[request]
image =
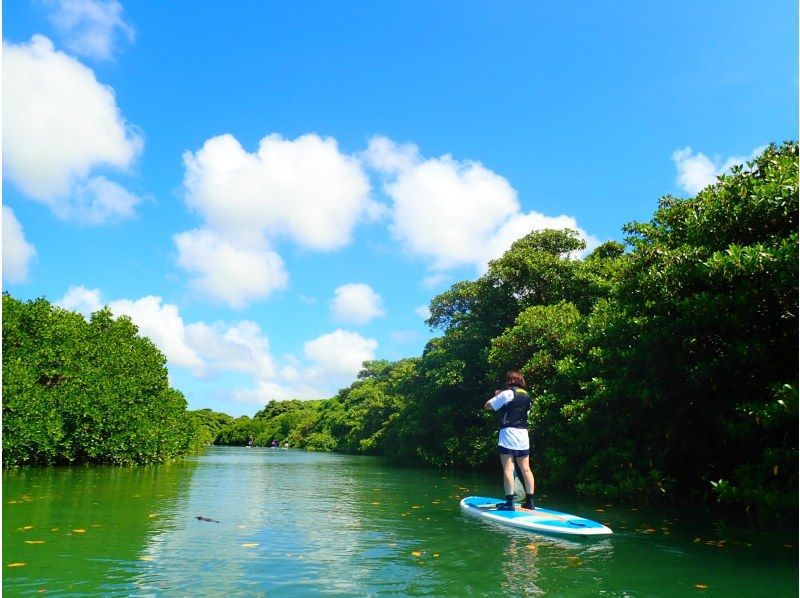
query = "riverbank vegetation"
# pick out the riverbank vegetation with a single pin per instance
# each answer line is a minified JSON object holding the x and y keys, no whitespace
{"x":664,"y":367}
{"x":78,"y":391}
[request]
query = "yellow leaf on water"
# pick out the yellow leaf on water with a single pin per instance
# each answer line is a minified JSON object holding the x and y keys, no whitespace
{"x":145,"y":558}
{"x":436,"y":555}
{"x":11,"y":502}
{"x":25,"y":527}
{"x":416,"y":507}
{"x":701,"y":586}
{"x":16,"y":564}
{"x":416,"y":553}
{"x":152,"y":515}
{"x":79,"y":531}
{"x":55,"y":529}
{"x":249,"y":544}
{"x":34,"y":541}
{"x":376,"y":504}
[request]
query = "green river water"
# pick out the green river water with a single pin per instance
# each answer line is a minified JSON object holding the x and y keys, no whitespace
{"x":293,"y":523}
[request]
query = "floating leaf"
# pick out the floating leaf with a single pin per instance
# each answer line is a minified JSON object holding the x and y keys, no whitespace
{"x":34,"y":541}
{"x":79,"y":531}
{"x":249,"y":544}
{"x":145,"y":558}
{"x":416,"y":553}
{"x":16,"y":564}
{"x":701,"y":586}
{"x":436,"y":555}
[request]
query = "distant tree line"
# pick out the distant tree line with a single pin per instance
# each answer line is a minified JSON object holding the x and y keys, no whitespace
{"x":666,"y":366}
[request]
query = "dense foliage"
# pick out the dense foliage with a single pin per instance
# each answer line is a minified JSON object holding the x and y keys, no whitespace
{"x":666,"y":367}
{"x":77,"y":391}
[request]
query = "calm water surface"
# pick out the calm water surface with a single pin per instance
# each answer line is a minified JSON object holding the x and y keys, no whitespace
{"x":293,"y":523}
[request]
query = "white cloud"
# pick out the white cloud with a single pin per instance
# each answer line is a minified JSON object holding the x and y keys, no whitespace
{"x":90,"y":27}
{"x":17,"y":252}
{"x":264,"y":392}
{"x":356,"y":303}
{"x":202,"y":348}
{"x":82,"y":300}
{"x":341,"y":352}
{"x":697,"y":171}
{"x":228,"y":271}
{"x":161,"y":323}
{"x":453,"y":213}
{"x":241,"y":347}
{"x":97,"y":201}
{"x":304,"y":190}
{"x":423,"y":311}
{"x":59,"y":123}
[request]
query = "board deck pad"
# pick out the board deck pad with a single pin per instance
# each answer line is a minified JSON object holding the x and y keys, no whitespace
{"x":538,"y":520}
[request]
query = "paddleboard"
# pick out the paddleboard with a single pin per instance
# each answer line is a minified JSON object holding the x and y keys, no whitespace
{"x":538,"y":520}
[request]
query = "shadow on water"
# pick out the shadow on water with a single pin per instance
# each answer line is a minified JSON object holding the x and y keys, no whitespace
{"x":293,"y":523}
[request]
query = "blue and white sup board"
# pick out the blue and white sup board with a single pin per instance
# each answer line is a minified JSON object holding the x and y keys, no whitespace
{"x":538,"y":520}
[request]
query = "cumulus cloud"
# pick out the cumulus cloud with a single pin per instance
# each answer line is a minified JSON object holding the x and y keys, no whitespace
{"x":82,"y":300}
{"x":356,"y":303}
{"x":341,"y":352}
{"x":303,"y":190}
{"x":91,"y":28}
{"x":451,"y":212}
{"x":60,"y":123}
{"x":697,"y":171}
{"x":423,"y":311}
{"x":161,"y":323}
{"x":17,"y":252}
{"x":241,"y":347}
{"x":233,"y":272}
{"x":264,"y":392}
{"x":203,"y":349}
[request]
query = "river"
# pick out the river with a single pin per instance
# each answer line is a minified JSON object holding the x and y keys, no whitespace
{"x":292,"y":523}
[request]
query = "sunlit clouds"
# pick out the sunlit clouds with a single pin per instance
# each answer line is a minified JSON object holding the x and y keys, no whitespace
{"x":91,"y":28}
{"x":356,"y":303}
{"x":453,"y":212}
{"x":59,"y":126}
{"x":17,"y":252}
{"x":696,"y":171}
{"x":208,"y":351}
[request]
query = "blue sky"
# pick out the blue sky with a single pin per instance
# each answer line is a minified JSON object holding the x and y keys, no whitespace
{"x":274,"y":192}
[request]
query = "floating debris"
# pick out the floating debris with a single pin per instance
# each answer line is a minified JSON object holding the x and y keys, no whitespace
{"x":16,"y":564}
{"x":249,"y":544}
{"x":199,"y":518}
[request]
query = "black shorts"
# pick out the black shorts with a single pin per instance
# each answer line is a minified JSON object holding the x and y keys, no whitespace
{"x":514,"y":452}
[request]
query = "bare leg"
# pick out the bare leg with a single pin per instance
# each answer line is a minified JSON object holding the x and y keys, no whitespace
{"x":527,"y":475}
{"x":507,"y":462}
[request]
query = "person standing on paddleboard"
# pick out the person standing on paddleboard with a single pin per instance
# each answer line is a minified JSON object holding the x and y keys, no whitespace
{"x":512,"y":406}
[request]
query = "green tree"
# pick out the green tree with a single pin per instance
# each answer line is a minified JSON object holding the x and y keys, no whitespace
{"x":86,"y":392}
